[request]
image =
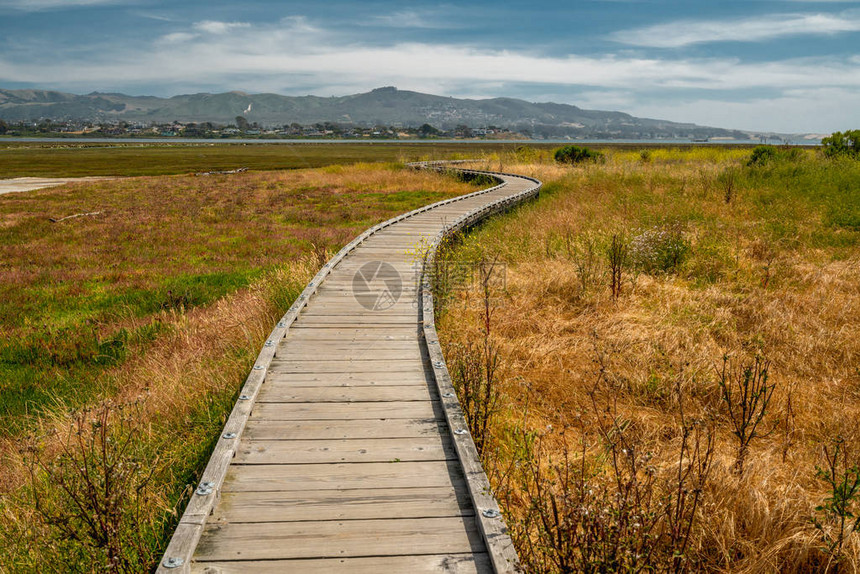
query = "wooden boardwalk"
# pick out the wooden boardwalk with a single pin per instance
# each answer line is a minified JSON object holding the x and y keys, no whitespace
{"x":346,"y":450}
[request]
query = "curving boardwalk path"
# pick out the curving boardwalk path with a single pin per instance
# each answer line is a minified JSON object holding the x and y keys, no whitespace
{"x":341,"y":453}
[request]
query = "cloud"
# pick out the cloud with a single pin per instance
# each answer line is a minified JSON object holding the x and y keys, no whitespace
{"x":214,"y":27}
{"x":790,"y":112}
{"x":178,"y":37}
{"x":292,"y":56}
{"x":416,"y":19}
{"x":682,"y":33}
{"x":220,"y":51}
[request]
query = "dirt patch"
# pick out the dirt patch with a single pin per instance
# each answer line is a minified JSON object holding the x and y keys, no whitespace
{"x":19,"y":184}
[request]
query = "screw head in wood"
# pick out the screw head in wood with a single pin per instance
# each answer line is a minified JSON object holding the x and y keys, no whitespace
{"x":461,"y":431}
{"x":173,"y":562}
{"x":229,"y":435}
{"x":258,"y":367}
{"x":205,"y":489}
{"x":448,"y":395}
{"x":244,"y":398}
{"x":491,"y":513}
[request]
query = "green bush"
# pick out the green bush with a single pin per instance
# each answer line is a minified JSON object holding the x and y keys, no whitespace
{"x":762,"y":154}
{"x":572,"y":154}
{"x":765,"y":154}
{"x":842,"y":144}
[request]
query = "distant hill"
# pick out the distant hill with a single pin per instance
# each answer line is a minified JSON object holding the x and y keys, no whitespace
{"x":382,"y":106}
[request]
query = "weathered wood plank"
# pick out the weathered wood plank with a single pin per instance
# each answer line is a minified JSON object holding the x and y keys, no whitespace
{"x":340,"y":429}
{"x":355,"y":379}
{"x":262,"y":478}
{"x":344,"y":411}
{"x":295,"y":345}
{"x":353,"y":335}
{"x":339,"y":539}
{"x":363,"y":394}
{"x":362,"y":504}
{"x":377,"y":320}
{"x":370,"y":366}
{"x":367,"y":329}
{"x":343,"y":352}
{"x":477,"y":563}
{"x":280,"y":452}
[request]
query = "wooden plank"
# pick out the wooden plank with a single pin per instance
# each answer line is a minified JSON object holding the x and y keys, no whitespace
{"x":340,"y":394}
{"x":344,"y":411}
{"x":365,"y":504}
{"x":352,"y":333}
{"x":348,"y":350}
{"x":358,"y":325}
{"x":370,"y":318}
{"x":357,"y":376}
{"x":357,"y":379}
{"x":371,"y":366}
{"x":471,"y":563}
{"x":339,"y":307}
{"x":262,"y":478}
{"x":339,"y":539}
{"x":298,"y":344}
{"x":358,"y":354}
{"x":279,"y":452}
{"x":330,"y":430}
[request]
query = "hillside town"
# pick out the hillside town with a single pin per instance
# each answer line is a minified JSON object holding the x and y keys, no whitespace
{"x":243,"y":129}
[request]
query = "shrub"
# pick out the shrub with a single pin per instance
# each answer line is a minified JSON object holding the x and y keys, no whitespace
{"x":618,"y":254}
{"x":842,"y":144}
{"x":765,"y":154}
{"x":528,"y":154}
{"x":572,"y":154}
{"x":659,"y":249}
{"x":762,"y":155}
{"x":746,"y":394}
{"x":95,"y":498}
{"x":843,"y":481}
{"x":611,"y":506}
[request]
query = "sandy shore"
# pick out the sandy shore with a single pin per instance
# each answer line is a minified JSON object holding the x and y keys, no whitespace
{"x":30,"y":183}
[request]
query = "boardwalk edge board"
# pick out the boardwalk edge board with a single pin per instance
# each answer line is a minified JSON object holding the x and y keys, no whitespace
{"x":502,"y":553}
{"x":177,"y":557}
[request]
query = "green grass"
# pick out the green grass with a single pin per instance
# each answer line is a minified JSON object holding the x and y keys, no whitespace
{"x":20,"y":159}
{"x":81,"y":296}
{"x":58,"y":159}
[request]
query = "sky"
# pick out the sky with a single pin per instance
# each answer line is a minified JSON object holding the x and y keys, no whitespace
{"x":787,"y":66}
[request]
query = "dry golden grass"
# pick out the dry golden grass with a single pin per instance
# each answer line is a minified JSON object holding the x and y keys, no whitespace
{"x":749,"y":286}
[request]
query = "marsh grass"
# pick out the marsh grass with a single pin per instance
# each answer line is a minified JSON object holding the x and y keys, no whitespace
{"x":71,"y":159}
{"x":774,"y":272}
{"x":80,"y":296}
{"x":163,"y":303}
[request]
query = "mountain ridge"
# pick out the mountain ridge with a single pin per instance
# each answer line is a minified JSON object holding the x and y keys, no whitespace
{"x":381,"y":106}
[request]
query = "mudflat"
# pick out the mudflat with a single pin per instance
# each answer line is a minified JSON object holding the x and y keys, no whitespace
{"x":19,"y":184}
